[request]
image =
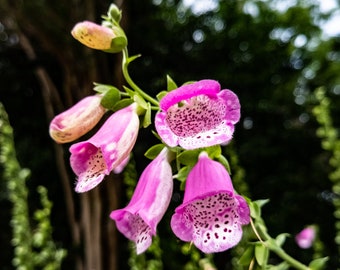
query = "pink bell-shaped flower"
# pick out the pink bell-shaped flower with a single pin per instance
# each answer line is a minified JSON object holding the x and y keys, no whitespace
{"x":77,"y":121}
{"x":211,"y":215}
{"x":139,"y":219}
{"x":198,"y":115}
{"x":105,"y":151}
{"x":306,"y":237}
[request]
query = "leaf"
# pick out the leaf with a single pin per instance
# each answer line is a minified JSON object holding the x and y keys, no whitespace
{"x":224,"y":162}
{"x":161,"y":94}
{"x":183,"y":173}
{"x":110,"y":98}
{"x":133,"y":58}
{"x":318,"y":264}
{"x":171,"y":85}
{"x":255,"y":208}
{"x":261,"y":254}
{"x":189,"y":157}
{"x":147,"y":116}
{"x":122,"y":104}
{"x":247,"y":256}
{"x":103,"y":88}
{"x":140,"y":101}
{"x":130,"y":92}
{"x":154,"y":150}
{"x":281,"y":238}
{"x":213,"y":151}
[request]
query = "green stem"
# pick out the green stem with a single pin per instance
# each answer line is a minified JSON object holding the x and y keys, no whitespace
{"x":134,"y":86}
{"x":270,"y":243}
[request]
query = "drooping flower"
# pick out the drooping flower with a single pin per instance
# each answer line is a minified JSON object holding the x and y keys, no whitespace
{"x":211,"y":215}
{"x":77,"y":121}
{"x":95,"y":36}
{"x":91,"y":160}
{"x":198,"y":115}
{"x":306,"y":237}
{"x":139,"y":219}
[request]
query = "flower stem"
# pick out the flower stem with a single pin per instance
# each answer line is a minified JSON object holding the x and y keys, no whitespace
{"x":134,"y":86}
{"x":271,"y":244}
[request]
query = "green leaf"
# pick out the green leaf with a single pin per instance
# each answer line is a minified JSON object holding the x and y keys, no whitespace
{"x":154,"y":150}
{"x":122,"y":104}
{"x":161,"y":94}
{"x":224,"y":162}
{"x":133,"y":58}
{"x":147,"y":116}
{"x":110,"y":98}
{"x":183,"y":173}
{"x":189,"y":157}
{"x":281,"y":238}
{"x":213,"y":151}
{"x":261,"y":254}
{"x":318,"y":264}
{"x":140,"y":101}
{"x":247,"y":256}
{"x":117,"y":44}
{"x":130,"y":92}
{"x":255,"y":208}
{"x":103,"y":88}
{"x":171,"y":85}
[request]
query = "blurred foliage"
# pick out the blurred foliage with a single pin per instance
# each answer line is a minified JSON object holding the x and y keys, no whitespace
{"x":272,"y":58}
{"x":33,"y":248}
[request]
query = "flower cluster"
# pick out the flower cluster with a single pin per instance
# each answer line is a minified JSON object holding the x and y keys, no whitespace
{"x":195,"y":117}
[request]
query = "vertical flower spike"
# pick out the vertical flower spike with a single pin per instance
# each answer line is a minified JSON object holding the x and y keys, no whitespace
{"x":139,"y":219}
{"x":109,"y":148}
{"x":198,"y":115}
{"x":77,"y":121}
{"x":306,"y":237}
{"x":211,"y":215}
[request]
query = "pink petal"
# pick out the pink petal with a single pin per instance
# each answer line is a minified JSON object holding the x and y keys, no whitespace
{"x":77,"y":120}
{"x":91,"y":160}
{"x":197,"y":115}
{"x":187,"y":91}
{"x":139,"y":219}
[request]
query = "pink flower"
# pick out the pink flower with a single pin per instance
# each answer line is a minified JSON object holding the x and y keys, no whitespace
{"x":77,"y":121}
{"x":108,"y":149}
{"x":211,"y":215}
{"x":99,"y":37}
{"x":139,"y":219}
{"x":198,"y":115}
{"x":306,"y":237}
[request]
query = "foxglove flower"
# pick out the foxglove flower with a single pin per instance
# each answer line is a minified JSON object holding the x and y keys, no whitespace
{"x":111,"y":38}
{"x":306,"y":237}
{"x":197,"y":115}
{"x":139,"y":219}
{"x":108,"y":149}
{"x":77,"y":121}
{"x":211,"y":215}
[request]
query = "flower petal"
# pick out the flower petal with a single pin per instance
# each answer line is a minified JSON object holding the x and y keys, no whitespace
{"x":139,"y":219}
{"x":187,"y":91}
{"x":91,"y":160}
{"x":197,"y":115}
{"x":77,"y":120}
{"x":211,"y":215}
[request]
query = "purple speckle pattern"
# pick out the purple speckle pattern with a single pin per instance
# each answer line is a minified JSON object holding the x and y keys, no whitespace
{"x":199,"y":114}
{"x":96,"y":168}
{"x":213,"y":223}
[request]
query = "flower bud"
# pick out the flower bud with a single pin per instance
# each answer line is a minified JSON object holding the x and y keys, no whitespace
{"x":110,"y":39}
{"x":77,"y":120}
